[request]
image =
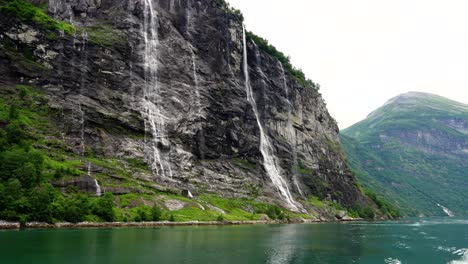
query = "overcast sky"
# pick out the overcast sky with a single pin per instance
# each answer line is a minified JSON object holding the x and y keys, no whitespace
{"x":364,"y":52}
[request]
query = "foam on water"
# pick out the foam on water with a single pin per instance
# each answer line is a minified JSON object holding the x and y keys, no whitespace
{"x":463,"y":253}
{"x":392,"y":261}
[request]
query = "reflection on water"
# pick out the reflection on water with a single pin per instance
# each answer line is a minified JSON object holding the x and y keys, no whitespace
{"x":416,"y":241}
{"x":282,"y":248}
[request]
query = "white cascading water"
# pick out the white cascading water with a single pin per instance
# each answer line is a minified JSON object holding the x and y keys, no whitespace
{"x":197,"y":89}
{"x":446,"y":210}
{"x":291,"y":133}
{"x":98,"y":188}
{"x":84,"y":39}
{"x":266,"y":149}
{"x":154,"y":119}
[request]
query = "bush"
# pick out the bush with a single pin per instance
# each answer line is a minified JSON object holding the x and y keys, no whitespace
{"x":156,"y":213}
{"x":76,"y":209}
{"x":220,"y":218}
{"x":104,"y":207}
{"x":26,"y":166}
{"x":143,"y":215}
{"x":13,"y":113}
{"x":366,"y":212}
{"x":275,"y":212}
{"x":40,"y":202}
{"x":14,"y":133}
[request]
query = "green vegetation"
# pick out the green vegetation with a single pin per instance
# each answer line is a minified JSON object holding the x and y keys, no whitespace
{"x":25,"y":172}
{"x":245,"y":209}
{"x":105,"y":35}
{"x":263,"y":44}
{"x":285,"y":60}
{"x":403,"y":151}
{"x":28,"y":12}
{"x":30,"y":162}
{"x":320,"y":187}
{"x":362,"y":212}
{"x":384,"y":206}
{"x":230,"y":10}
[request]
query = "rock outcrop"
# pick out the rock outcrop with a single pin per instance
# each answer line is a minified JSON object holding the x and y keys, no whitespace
{"x":131,"y":68}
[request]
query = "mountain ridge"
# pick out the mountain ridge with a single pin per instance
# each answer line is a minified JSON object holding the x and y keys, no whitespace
{"x":415,"y":143}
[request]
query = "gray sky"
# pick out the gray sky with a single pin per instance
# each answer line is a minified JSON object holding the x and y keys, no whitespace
{"x":363,"y":52}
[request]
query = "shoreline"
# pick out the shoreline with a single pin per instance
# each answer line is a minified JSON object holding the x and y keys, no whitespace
{"x":38,"y":225}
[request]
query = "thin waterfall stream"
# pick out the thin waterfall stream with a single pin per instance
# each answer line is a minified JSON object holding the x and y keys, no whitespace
{"x":291,"y":133}
{"x":154,"y":119}
{"x":266,"y":148}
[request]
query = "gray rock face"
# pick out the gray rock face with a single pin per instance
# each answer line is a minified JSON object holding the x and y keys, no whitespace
{"x":84,"y":183}
{"x":212,"y":141}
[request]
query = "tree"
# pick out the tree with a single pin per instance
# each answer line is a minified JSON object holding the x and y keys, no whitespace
{"x":104,"y":208}
{"x":14,"y":133}
{"x":13,"y":112}
{"x":40,"y":201}
{"x":156,"y":213}
{"x":76,"y":209}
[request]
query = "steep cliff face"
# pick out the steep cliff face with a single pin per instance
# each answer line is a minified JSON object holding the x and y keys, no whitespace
{"x":163,"y":82}
{"x":414,"y":150}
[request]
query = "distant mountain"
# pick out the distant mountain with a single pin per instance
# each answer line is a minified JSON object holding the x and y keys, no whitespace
{"x":414,"y":151}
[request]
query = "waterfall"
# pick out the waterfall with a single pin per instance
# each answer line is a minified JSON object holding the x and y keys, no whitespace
{"x":291,"y":133}
{"x":98,"y":188}
{"x":154,"y":119}
{"x":446,"y":210}
{"x":266,"y":148}
{"x":84,"y":42}
{"x":197,"y":89}
{"x":198,"y":112}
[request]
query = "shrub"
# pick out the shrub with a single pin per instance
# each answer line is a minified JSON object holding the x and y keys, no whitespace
{"x":14,"y":133}
{"x":143,"y":215}
{"x":156,"y":213}
{"x":220,"y":218}
{"x":104,"y":207}
{"x":366,"y":212}
{"x":274,"y":212}
{"x":76,"y":209}
{"x":13,"y":112}
{"x":40,"y":202}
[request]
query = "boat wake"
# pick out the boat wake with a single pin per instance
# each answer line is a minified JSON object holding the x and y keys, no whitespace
{"x":463,"y":253}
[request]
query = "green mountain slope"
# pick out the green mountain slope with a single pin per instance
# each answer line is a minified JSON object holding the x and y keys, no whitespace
{"x":414,"y":151}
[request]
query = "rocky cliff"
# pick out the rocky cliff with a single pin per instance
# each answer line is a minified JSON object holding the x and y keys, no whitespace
{"x":161,"y":84}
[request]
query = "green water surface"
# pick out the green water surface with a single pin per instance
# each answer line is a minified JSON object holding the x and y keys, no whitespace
{"x":408,"y":241}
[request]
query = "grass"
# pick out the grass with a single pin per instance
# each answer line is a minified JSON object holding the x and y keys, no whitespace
{"x":245,"y":163}
{"x":105,"y":35}
{"x":28,"y":12}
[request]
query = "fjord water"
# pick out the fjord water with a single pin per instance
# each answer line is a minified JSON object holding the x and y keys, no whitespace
{"x":408,"y":241}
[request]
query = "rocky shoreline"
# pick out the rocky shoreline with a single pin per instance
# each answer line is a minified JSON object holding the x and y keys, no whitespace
{"x":39,"y":225}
